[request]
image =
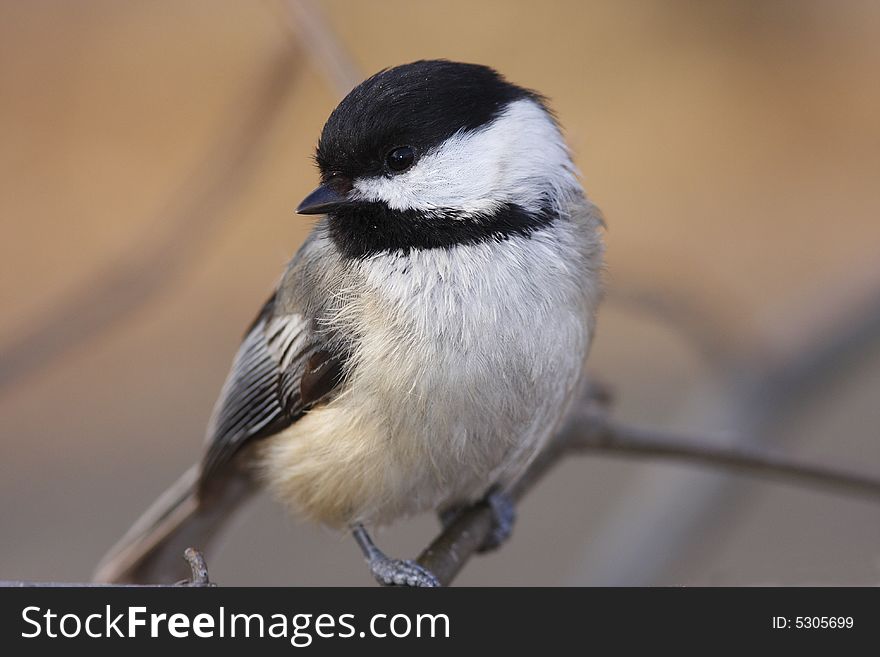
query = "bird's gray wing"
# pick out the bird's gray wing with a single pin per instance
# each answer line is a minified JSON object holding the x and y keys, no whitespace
{"x":282,"y":368}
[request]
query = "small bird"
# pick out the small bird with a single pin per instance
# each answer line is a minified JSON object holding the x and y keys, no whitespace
{"x":425,"y":341}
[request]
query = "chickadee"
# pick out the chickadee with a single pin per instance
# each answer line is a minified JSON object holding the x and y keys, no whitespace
{"x":427,"y":338}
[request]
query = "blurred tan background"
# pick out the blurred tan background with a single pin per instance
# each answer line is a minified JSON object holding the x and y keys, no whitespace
{"x":734,"y":148}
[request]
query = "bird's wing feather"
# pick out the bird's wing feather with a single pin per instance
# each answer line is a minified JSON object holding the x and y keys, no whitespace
{"x":271,"y":384}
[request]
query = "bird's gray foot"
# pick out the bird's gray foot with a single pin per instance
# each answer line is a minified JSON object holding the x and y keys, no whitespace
{"x":503,"y":518}
{"x":401,"y":572}
{"x":392,"y":572}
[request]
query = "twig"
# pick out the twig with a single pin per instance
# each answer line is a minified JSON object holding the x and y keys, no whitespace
{"x":590,"y":431}
{"x":599,"y":434}
{"x":198,"y":567}
{"x":193,"y":556}
{"x":196,"y":211}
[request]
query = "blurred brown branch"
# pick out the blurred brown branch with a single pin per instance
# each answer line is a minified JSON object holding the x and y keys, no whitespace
{"x":703,"y":330}
{"x":192,"y":215}
{"x":311,"y":28}
{"x":194,"y":212}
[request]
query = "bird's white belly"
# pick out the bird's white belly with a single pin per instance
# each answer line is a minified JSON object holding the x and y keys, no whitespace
{"x":444,"y":396}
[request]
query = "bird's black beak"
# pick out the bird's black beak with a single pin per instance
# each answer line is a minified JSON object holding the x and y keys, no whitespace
{"x":321,"y":201}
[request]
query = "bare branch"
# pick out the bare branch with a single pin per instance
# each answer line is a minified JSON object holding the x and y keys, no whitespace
{"x":198,"y":567}
{"x":590,"y":430}
{"x":193,"y":556}
{"x":747,"y":459}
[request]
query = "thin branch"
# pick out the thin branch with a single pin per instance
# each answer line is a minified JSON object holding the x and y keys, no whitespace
{"x":195,"y":211}
{"x":592,"y":431}
{"x":814,"y":371}
{"x":193,"y":557}
{"x":198,"y":567}
{"x":744,"y":459}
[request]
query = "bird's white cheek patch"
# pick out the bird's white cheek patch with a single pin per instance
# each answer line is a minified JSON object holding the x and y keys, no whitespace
{"x":519,"y":158}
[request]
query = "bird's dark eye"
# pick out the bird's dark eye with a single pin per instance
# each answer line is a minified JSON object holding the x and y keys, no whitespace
{"x":401,"y":159}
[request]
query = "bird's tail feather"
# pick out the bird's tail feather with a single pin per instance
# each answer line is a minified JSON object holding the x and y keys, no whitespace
{"x":151,"y":552}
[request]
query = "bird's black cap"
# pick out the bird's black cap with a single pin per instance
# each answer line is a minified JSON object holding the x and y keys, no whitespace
{"x":419,"y":104}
